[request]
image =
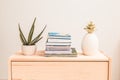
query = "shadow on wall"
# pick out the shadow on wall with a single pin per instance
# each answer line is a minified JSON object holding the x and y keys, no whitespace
{"x":118,"y":59}
{"x":116,"y":63}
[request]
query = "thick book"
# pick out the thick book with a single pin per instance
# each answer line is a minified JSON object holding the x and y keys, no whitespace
{"x":58,"y":52}
{"x":58,"y":48}
{"x":73,"y":54}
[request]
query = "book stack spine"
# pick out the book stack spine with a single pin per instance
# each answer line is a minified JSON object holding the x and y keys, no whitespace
{"x":58,"y":44}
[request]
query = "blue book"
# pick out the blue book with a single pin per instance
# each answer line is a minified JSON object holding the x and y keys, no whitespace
{"x":58,"y":34}
{"x":59,"y":37}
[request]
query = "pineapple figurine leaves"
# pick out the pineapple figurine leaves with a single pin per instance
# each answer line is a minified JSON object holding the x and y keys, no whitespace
{"x":90,"y":28}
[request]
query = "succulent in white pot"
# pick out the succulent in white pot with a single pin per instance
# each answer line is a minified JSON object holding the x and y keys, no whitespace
{"x":29,"y":44}
{"x":90,"y":43}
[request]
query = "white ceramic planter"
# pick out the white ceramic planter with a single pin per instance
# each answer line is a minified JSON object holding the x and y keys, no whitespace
{"x":90,"y":44}
{"x":29,"y":49}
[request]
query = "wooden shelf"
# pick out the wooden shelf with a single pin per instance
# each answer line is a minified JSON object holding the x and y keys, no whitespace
{"x":38,"y":67}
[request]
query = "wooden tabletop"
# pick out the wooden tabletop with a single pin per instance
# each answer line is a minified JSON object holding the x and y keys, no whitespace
{"x":40,"y":57}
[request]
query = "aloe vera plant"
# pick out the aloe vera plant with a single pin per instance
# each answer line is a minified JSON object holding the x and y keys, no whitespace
{"x":30,"y":40}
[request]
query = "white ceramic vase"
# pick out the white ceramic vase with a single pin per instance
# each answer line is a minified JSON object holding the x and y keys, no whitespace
{"x":90,"y":44}
{"x":29,"y":50}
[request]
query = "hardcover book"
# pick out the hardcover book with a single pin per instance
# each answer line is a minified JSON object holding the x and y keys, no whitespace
{"x":58,"y":40}
{"x":73,"y":54}
{"x":58,"y":52}
{"x":58,"y":43}
{"x":57,"y":48}
{"x":58,"y":34}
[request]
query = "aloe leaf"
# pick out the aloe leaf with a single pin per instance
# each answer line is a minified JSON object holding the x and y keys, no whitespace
{"x":31,"y":31}
{"x":22,"y":40}
{"x":22,"y":37}
{"x":41,"y":31}
{"x":36,"y":38}
{"x":35,"y":41}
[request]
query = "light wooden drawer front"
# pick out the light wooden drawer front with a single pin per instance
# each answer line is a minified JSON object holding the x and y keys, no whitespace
{"x":59,"y":70}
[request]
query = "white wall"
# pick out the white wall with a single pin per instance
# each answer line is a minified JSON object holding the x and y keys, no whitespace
{"x":68,"y":16}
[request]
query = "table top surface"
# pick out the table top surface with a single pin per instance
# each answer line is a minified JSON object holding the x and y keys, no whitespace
{"x":80,"y":57}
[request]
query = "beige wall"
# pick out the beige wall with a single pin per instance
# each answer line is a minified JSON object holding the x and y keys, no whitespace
{"x":67,"y":16}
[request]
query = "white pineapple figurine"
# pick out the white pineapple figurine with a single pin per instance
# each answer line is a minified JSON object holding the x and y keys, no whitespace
{"x":90,"y":43}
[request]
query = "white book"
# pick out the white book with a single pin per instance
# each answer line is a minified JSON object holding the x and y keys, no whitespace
{"x":58,"y":40}
{"x":58,"y":37}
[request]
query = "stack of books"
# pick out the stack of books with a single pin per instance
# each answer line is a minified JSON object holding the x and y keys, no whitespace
{"x":59,"y":44}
